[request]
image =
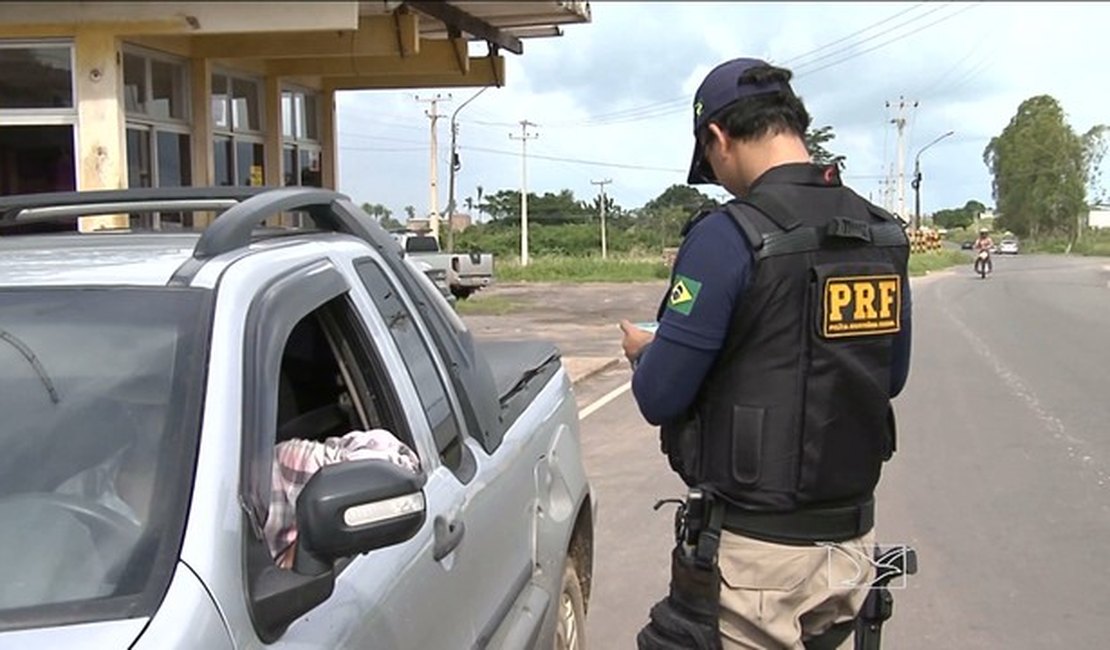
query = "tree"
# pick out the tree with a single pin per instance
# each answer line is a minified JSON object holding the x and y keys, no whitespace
{"x":959,"y":217}
{"x":550,"y":207}
{"x":383,"y":214}
{"x":376,"y":210}
{"x":1040,"y":170}
{"x":680,"y":196}
{"x":410,"y":211}
{"x":815,"y":142}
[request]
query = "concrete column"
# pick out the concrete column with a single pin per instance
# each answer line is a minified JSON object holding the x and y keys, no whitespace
{"x":200,"y":89}
{"x":329,"y":145}
{"x":273,"y":174}
{"x":200,"y":84}
{"x":101,"y":153}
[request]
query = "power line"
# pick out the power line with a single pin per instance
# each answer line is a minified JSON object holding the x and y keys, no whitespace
{"x":852,"y":46}
{"x":852,"y":35}
{"x":567,"y":159}
{"x":888,"y":42}
{"x":674,"y":105}
{"x":579,"y":161}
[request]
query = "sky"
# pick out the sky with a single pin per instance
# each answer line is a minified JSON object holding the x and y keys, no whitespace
{"x":611,"y":99}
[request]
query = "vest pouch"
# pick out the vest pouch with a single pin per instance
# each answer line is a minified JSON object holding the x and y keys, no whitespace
{"x":846,"y":427}
{"x":747,"y":444}
{"x":681,"y":444}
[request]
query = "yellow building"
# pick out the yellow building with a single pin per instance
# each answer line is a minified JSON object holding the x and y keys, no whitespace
{"x":106,"y":95}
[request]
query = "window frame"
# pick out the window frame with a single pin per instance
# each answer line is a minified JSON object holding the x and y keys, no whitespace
{"x":49,"y":111}
{"x":149,"y":56}
{"x":230,"y":133}
{"x":464,"y":468}
{"x":49,"y":116}
{"x":152,"y":126}
{"x":282,"y":303}
{"x":299,"y":141}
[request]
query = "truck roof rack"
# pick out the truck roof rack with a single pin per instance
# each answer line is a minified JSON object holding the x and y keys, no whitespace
{"x":243,"y":209}
{"x":58,"y":206}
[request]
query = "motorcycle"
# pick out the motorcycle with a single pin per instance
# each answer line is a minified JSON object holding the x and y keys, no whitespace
{"x":983,"y":263}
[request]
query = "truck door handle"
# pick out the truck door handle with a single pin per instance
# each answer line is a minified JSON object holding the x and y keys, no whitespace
{"x":448,"y":534}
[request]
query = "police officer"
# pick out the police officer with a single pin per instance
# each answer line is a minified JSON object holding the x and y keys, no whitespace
{"x":782,"y":338}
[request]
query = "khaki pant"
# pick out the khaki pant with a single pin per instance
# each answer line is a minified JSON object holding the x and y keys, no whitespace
{"x":775,"y":596}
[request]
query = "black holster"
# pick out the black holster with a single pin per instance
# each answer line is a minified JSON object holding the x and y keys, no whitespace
{"x":689,"y":617}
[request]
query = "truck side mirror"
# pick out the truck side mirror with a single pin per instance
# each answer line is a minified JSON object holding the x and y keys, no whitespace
{"x":345,"y":509}
{"x":355,"y":507}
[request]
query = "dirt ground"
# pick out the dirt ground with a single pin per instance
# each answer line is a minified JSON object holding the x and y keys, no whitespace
{"x":580,"y":318}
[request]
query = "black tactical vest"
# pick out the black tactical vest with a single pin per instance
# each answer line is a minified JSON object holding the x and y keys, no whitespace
{"x":795,"y":412}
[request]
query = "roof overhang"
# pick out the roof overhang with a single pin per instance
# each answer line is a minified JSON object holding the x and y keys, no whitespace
{"x":340,"y":45}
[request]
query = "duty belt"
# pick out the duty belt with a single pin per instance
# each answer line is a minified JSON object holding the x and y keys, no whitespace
{"x":836,"y":524}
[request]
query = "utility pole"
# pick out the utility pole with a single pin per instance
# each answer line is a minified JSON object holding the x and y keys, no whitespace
{"x":900,"y":122}
{"x":524,"y":137}
{"x":433,"y":164}
{"x":604,"y":245}
{"x":455,"y":165}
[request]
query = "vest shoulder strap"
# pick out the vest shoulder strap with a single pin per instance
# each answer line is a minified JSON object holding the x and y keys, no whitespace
{"x":769,"y":238}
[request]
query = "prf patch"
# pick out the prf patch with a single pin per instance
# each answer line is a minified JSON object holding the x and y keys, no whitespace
{"x":684,"y":293}
{"x":864,"y":305}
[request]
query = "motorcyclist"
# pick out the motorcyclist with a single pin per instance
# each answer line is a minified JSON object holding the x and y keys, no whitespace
{"x":984,"y":243}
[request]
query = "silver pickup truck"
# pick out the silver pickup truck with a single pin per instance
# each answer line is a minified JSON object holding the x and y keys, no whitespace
{"x":145,"y":378}
{"x":466,"y":272}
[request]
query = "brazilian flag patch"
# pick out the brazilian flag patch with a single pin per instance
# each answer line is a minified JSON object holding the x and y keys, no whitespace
{"x":684,"y":293}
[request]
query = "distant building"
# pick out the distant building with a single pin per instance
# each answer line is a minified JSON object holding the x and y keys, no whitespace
{"x":420,"y":225}
{"x":1099,"y":217}
{"x":460,"y":221}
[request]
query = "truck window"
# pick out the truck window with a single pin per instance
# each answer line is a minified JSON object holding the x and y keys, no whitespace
{"x":418,"y":359}
{"x":421,"y":244}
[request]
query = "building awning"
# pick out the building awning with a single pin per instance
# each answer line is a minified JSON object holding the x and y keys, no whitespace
{"x":337,"y":45}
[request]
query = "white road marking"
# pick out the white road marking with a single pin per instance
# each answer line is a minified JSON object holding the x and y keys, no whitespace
{"x":605,"y":399}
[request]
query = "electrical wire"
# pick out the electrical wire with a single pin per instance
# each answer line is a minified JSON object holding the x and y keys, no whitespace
{"x":892,"y":40}
{"x":838,"y":41}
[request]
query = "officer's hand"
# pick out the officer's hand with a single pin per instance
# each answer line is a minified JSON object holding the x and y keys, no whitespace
{"x":634,"y":339}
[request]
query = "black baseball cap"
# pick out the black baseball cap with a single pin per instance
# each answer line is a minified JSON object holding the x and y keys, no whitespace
{"x":720,"y":89}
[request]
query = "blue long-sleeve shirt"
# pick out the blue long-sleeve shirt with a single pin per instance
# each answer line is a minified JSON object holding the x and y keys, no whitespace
{"x":715,"y":264}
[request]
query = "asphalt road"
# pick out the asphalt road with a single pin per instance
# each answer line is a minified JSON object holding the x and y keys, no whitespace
{"x":1001,"y":480}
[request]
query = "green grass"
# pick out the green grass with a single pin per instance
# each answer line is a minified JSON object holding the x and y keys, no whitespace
{"x":922,"y":263}
{"x":481,"y":305}
{"x":1094,"y":243}
{"x":582,"y":269}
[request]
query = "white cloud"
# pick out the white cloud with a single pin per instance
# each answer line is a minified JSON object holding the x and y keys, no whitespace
{"x":638,"y":64}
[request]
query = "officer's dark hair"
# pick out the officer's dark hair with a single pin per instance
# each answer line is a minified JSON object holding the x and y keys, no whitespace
{"x":754,"y":117}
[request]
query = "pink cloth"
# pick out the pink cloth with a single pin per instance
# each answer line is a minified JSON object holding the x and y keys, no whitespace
{"x":295,"y":461}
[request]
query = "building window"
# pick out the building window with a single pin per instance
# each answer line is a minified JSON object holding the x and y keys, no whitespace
{"x":156,"y":102}
{"x":158,"y":138}
{"x":36,"y":76}
{"x":38,"y":117}
{"x":300,"y":130}
{"x":36,"y":158}
{"x":238,"y":139}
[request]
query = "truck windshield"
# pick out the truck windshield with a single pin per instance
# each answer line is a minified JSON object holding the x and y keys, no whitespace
{"x":421,"y":244}
{"x":100,"y":393}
